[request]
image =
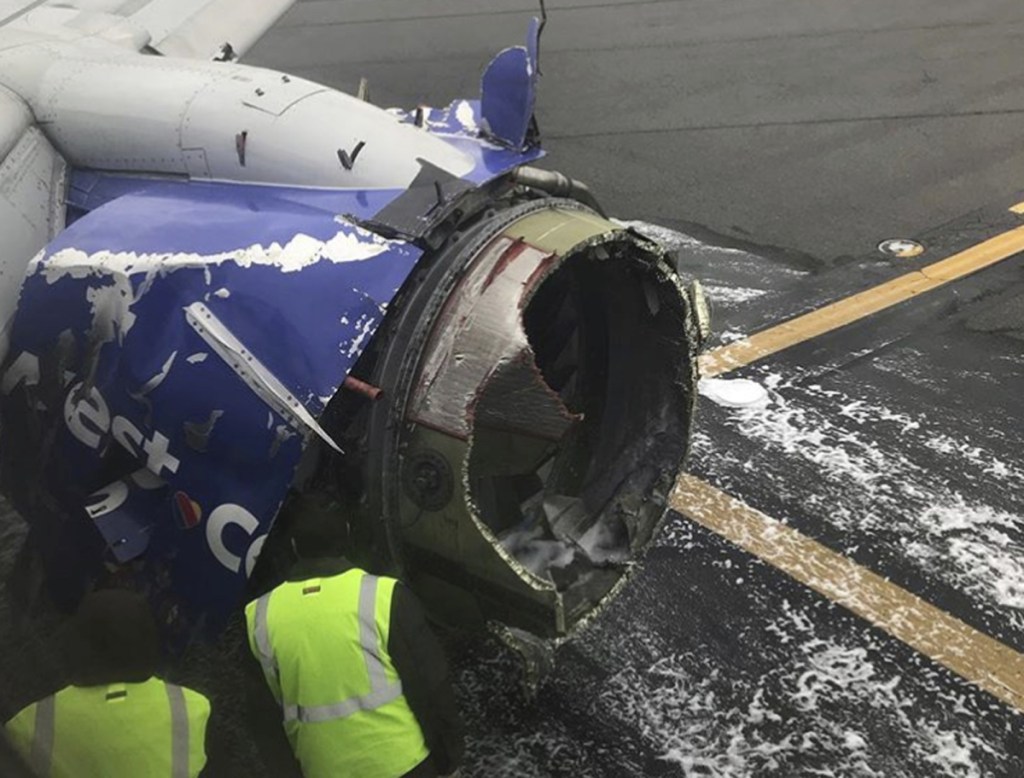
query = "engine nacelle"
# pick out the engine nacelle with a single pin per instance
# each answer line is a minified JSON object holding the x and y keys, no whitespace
{"x":538,"y":397}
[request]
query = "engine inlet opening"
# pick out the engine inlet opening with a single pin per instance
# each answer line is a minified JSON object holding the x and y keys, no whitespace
{"x":577,"y":442}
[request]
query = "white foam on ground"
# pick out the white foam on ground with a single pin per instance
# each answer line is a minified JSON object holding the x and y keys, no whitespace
{"x":909,"y":364}
{"x":674,"y":240}
{"x":953,"y":753}
{"x":976,"y":455}
{"x":734,"y":392}
{"x":819,"y":705}
{"x":871,"y":485}
{"x":731,"y":336}
{"x":732,"y":294}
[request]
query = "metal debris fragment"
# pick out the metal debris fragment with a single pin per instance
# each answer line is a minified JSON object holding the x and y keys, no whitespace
{"x":361,"y":387}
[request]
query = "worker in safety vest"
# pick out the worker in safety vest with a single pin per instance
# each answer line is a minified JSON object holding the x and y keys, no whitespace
{"x":362,"y":681}
{"x":116,"y":718}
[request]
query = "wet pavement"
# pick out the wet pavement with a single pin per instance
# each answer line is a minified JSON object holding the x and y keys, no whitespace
{"x":897,"y":448}
{"x":786,"y":140}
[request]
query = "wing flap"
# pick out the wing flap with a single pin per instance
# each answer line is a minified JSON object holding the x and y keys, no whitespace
{"x":196,"y":29}
{"x":199,"y":29}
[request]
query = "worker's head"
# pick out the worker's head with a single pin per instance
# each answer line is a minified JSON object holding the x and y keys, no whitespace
{"x":113,"y":639}
{"x":320,"y":526}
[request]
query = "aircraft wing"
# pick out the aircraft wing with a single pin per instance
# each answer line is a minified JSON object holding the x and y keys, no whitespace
{"x":32,"y":171}
{"x":198,"y":29}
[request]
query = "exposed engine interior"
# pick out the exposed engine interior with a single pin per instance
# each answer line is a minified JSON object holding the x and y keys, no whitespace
{"x":537,"y":396}
{"x":572,"y":510}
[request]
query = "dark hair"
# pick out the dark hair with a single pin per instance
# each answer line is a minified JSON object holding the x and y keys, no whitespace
{"x":319,"y":525}
{"x":113,"y":639}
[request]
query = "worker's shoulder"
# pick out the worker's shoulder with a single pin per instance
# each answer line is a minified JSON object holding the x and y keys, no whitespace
{"x":21,"y":719}
{"x":195,"y":701}
{"x":192,"y":694}
{"x":25,"y":718}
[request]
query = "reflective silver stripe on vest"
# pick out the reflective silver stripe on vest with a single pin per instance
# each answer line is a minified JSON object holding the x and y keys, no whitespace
{"x":179,"y":731}
{"x":368,"y":633}
{"x":261,"y":633}
{"x":381,"y":691}
{"x":321,"y":713}
{"x":42,"y":739}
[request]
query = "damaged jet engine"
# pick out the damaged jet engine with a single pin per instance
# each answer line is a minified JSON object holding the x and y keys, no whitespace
{"x":242,"y":275}
{"x":537,"y":393}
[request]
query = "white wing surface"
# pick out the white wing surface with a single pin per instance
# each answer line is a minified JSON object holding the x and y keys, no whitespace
{"x":201,"y":28}
{"x":32,"y":169}
{"x":198,"y":29}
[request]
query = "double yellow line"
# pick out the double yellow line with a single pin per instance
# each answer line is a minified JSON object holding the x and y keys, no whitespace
{"x":973,"y":655}
{"x":851,"y":309}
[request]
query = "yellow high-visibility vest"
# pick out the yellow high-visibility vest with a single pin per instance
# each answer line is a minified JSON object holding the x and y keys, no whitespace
{"x":323,"y":647}
{"x":151,"y":729}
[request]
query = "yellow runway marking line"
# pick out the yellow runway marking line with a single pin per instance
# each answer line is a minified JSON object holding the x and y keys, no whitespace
{"x":1018,"y":208}
{"x":971,"y":654}
{"x":848,"y":310}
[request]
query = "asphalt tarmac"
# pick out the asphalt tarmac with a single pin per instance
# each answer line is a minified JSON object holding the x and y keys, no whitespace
{"x":787,"y":137}
{"x":820,"y":126}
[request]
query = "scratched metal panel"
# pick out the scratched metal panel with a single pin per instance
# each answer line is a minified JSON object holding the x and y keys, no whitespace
{"x":480,"y":329}
{"x":162,"y":382}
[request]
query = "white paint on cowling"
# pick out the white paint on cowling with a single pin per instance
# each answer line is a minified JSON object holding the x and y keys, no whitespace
{"x":296,"y":129}
{"x":109,"y":108}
